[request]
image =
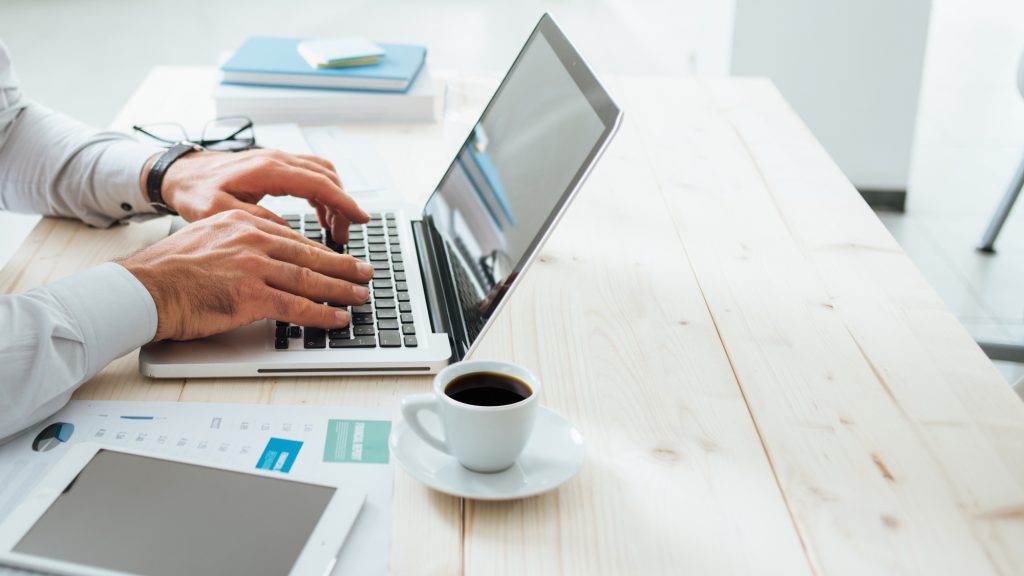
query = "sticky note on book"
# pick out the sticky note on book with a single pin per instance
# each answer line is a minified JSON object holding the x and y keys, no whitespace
{"x":340,"y":52}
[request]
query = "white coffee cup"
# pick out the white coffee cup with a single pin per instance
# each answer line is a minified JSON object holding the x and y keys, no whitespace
{"x":481,"y":438}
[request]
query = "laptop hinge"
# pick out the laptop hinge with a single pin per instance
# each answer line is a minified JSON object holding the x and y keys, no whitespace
{"x":439,"y":290}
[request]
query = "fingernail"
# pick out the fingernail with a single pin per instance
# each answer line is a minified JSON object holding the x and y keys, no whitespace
{"x":364,"y":268}
{"x":362,"y":292}
{"x":342,"y":316}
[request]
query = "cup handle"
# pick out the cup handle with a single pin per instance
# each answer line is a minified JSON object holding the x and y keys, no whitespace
{"x":411,"y":408}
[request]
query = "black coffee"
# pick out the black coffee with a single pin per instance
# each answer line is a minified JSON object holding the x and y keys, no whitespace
{"x":487,"y":389}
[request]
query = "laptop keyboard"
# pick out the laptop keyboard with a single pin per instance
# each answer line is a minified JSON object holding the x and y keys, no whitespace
{"x":385,"y":321}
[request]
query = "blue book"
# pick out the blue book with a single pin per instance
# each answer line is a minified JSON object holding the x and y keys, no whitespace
{"x":271,"y":61}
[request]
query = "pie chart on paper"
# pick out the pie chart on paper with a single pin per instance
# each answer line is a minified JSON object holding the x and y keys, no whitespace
{"x":52,"y":436}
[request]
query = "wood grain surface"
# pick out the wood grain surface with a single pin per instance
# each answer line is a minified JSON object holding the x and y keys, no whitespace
{"x":765,"y":382}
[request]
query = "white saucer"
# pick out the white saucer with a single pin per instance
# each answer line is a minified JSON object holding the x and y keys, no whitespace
{"x":553,"y":455}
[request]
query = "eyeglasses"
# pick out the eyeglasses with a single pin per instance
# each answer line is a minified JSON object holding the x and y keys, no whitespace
{"x":227,"y":134}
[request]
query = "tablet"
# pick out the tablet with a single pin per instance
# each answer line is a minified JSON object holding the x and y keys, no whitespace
{"x":106,"y":511}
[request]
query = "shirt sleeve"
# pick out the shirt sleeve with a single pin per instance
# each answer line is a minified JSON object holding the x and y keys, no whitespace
{"x":56,"y":166}
{"x":57,"y":337}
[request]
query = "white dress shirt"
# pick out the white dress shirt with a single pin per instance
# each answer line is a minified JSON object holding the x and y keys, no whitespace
{"x":54,"y":338}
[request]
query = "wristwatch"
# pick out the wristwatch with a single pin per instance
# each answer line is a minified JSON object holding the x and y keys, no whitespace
{"x":155,"y":179}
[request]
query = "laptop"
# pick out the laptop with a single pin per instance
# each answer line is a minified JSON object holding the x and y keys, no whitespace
{"x":442,"y":272}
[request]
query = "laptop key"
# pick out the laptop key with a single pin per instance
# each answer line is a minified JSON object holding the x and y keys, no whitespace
{"x":403,"y":296}
{"x":410,"y":341}
{"x":408,"y":329}
{"x":290,"y":217}
{"x":383,"y":293}
{"x":406,"y":318}
{"x":396,"y":249}
{"x":281,"y":323}
{"x":357,"y":342}
{"x":379,"y":257}
{"x":381,"y":283}
{"x":363,"y":309}
{"x":281,"y":344}
{"x":399,"y":276}
{"x":281,"y":332}
{"x":401,"y":286}
{"x":384,"y":303}
{"x":396,"y":258}
{"x":363,"y":330}
{"x":390,"y":339}
{"x":338,"y":333}
{"x":387,"y":314}
{"x":295,"y":332}
{"x":387,"y":324}
{"x":398,"y":267}
{"x":315,"y":337}
{"x":358,"y":319}
{"x":374,"y":248}
{"x":405,"y":307}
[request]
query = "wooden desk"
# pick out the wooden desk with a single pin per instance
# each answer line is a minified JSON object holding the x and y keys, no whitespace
{"x":765,"y":382}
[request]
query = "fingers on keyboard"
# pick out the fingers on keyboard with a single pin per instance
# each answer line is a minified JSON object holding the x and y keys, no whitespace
{"x":386,"y":320}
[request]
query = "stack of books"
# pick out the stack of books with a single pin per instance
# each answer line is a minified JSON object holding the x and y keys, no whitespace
{"x":272,"y":80}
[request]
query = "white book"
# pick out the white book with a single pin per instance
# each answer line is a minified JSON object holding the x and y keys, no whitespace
{"x":314,"y":106}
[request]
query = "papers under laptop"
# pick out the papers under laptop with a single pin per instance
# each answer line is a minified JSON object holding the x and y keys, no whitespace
{"x":359,"y":164}
{"x":442,"y":271}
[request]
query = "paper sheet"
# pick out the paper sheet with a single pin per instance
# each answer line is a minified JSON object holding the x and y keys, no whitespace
{"x":314,"y":442}
{"x":359,"y":165}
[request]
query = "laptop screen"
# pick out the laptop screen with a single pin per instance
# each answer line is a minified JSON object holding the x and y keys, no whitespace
{"x":517,"y":169}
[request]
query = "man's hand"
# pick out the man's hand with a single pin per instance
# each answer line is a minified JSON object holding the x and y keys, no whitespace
{"x":235,"y":268}
{"x":202,"y":184}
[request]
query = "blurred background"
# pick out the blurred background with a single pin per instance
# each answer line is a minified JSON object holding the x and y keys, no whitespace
{"x":917,"y":100}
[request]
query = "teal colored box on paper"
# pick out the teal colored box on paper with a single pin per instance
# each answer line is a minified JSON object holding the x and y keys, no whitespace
{"x":362,"y":441}
{"x":279,"y":455}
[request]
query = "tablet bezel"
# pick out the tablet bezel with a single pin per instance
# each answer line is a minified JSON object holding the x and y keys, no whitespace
{"x":318,"y":555}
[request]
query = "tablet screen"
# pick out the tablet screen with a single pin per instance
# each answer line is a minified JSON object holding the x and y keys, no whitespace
{"x":150,"y":516}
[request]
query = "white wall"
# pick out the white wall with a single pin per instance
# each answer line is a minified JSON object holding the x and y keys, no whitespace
{"x":852,"y":70}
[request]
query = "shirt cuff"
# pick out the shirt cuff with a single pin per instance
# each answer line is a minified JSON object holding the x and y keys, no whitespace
{"x":118,"y":173}
{"x":114,"y":310}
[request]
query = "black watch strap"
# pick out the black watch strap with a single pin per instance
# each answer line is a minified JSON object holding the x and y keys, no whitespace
{"x":155,"y":180}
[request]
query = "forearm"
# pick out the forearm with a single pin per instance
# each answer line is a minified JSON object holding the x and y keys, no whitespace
{"x":57,"y":337}
{"x":53,"y":165}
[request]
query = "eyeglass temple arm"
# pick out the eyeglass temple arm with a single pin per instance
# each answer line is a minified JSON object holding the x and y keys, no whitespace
{"x":151,"y":135}
{"x":231,"y":136}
